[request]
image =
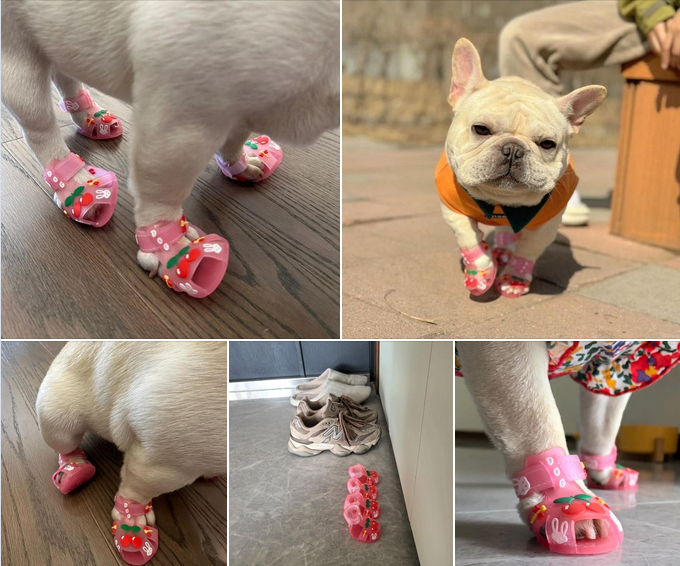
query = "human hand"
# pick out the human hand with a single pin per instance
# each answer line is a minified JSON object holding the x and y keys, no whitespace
{"x":664,"y":40}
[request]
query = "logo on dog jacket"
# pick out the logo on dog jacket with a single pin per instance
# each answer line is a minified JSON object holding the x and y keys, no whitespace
{"x":454,"y":195}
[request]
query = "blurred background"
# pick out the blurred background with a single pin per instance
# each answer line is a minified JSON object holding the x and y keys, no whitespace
{"x":397,"y":67}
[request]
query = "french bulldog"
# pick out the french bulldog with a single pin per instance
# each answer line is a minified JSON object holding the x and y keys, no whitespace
{"x":164,"y":404}
{"x":506,"y":163}
{"x":201,"y":76}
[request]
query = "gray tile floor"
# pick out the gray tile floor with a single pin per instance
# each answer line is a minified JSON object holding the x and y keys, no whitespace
{"x":287,"y":510}
{"x":489,"y":531}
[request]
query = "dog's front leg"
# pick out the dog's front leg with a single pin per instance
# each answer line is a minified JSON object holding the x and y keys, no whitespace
{"x":249,"y":167}
{"x":518,"y":273}
{"x":509,"y":383}
{"x":480,"y":269}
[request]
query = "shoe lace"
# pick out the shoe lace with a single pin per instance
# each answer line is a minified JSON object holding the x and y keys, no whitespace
{"x":347,"y":423}
{"x":350,"y":405}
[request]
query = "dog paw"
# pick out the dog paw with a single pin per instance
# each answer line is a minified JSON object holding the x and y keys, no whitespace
{"x":149,"y":518}
{"x":255,"y":169}
{"x":150,"y":261}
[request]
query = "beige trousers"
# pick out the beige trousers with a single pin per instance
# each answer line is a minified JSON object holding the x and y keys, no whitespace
{"x":571,"y":36}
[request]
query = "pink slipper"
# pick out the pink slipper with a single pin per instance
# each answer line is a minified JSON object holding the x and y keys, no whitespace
{"x":517,"y":279}
{"x":361,"y":528}
{"x":478,"y":281}
{"x":99,"y":124}
{"x":502,"y":250}
{"x":75,"y":473}
{"x":100,"y":190}
{"x":621,"y":478}
{"x":370,"y":508}
{"x":363,"y":475}
{"x":196,"y":269}
{"x":553,"y":474}
{"x":265,"y":148}
{"x":366,"y":490}
{"x":136,"y":544}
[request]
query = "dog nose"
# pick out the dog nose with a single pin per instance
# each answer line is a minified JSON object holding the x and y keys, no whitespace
{"x":512,"y":151}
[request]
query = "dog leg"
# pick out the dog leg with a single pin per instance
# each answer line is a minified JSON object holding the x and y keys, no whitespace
{"x":232,"y":150}
{"x":471,"y":241}
{"x":600,"y":421}
{"x":68,"y":88}
{"x":516,"y":277}
{"x":510,"y":386}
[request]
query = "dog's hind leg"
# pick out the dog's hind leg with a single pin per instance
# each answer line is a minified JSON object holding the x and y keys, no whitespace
{"x":600,"y":422}
{"x":510,"y":386}
{"x":232,"y":150}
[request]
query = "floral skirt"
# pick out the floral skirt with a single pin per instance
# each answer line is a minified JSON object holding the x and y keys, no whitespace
{"x":610,"y":368}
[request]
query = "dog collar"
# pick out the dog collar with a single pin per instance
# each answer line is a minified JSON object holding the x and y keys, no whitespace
{"x":518,"y":216}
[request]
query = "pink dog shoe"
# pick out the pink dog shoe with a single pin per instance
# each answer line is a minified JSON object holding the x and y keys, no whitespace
{"x":516,"y":282}
{"x":553,"y":474}
{"x":196,"y":269}
{"x":620,"y":479}
{"x":478,"y":281}
{"x":263,"y":147}
{"x":363,"y":475}
{"x":370,"y":508}
{"x":100,"y":191}
{"x":99,"y":124}
{"x":361,"y":528}
{"x":366,"y":490}
{"x":136,"y":544}
{"x":503,"y":247}
{"x":74,"y":473}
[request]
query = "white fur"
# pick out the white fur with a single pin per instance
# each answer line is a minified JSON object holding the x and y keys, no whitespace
{"x":510,"y":386}
{"x":516,"y":112}
{"x":201,"y":75}
{"x":162,"y":403}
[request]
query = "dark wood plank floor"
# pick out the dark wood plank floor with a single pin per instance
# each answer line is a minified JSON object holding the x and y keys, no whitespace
{"x":40,"y":526}
{"x":63,"y":280}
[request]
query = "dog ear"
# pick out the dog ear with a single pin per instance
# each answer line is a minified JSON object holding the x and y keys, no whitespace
{"x":581,"y":103}
{"x":466,"y":66}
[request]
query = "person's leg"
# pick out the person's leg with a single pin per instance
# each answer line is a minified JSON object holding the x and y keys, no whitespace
{"x":600,"y":422}
{"x":509,"y":383}
{"x":538,"y":45}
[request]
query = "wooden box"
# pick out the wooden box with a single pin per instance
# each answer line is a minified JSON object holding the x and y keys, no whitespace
{"x":646,"y":199}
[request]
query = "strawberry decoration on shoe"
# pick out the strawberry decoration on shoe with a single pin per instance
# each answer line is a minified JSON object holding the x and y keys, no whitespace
{"x":368,"y":491}
{"x":478,"y":281}
{"x":363,"y":475}
{"x":99,"y":123}
{"x":76,"y":200}
{"x":361,"y":528}
{"x":137,"y":544}
{"x":264,"y":148}
{"x":369,"y":507}
{"x":516,"y":279}
{"x":196,"y":269}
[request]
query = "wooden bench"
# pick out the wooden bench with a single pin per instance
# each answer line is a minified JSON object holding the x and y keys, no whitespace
{"x":646,"y":199}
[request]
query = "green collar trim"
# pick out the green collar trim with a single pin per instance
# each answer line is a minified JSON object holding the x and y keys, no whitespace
{"x":518,"y":216}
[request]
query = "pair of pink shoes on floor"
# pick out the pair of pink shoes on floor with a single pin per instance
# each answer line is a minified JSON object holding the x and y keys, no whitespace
{"x":197,"y":268}
{"x":137,"y":544}
{"x":361,"y":507}
{"x":553,"y":474}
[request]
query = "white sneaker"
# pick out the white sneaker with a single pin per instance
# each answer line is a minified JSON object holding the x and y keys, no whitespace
{"x":357,"y":393}
{"x":331,"y":374}
{"x":577,"y":212}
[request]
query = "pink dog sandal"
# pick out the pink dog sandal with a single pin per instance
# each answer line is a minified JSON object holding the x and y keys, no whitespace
{"x":74,"y":473}
{"x":370,"y":508}
{"x":366,"y":490}
{"x":502,"y":247}
{"x":621,"y":478}
{"x":363,"y":475}
{"x":517,"y":280}
{"x":553,"y":474}
{"x":263,"y":147}
{"x":197,"y":268}
{"x":76,"y":200}
{"x":99,"y":124}
{"x":478,"y":281}
{"x":361,"y":528}
{"x":136,"y":544}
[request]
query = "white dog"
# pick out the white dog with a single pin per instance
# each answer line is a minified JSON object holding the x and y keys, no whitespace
{"x":164,"y":404}
{"x":201,"y":75}
{"x":506,"y":163}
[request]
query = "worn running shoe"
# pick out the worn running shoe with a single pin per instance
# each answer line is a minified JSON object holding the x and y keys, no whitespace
{"x":342,"y":435}
{"x":331,"y":405}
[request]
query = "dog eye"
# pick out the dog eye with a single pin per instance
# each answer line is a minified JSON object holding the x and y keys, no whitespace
{"x":547,"y":144}
{"x":481,"y":130}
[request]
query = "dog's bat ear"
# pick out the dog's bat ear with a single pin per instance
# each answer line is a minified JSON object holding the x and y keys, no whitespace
{"x":581,"y":103}
{"x":466,"y":66}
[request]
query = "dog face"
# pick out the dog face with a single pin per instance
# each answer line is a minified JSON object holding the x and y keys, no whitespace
{"x":508,"y":141}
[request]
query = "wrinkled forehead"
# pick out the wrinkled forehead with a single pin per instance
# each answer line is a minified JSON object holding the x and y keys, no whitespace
{"x":515,"y":107}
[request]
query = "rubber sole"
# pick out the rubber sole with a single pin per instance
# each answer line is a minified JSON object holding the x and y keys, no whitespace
{"x":306,"y":450}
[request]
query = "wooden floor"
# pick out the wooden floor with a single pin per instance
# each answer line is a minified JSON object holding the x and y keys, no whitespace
{"x":65,"y":280}
{"x":40,"y":526}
